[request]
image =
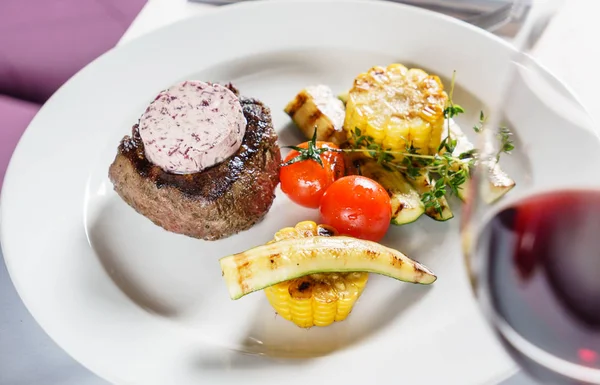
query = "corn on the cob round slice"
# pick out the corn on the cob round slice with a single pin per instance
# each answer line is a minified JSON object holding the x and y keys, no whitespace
{"x":315,"y":299}
{"x":397,"y":106}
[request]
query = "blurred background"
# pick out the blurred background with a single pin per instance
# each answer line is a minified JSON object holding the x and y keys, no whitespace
{"x":45,"y":42}
{"x":42,"y":44}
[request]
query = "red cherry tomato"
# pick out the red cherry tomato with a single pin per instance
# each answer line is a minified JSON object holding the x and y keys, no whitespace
{"x":357,"y":206}
{"x":304,"y":182}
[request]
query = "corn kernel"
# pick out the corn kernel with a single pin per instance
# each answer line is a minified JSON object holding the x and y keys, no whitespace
{"x":316,"y":299}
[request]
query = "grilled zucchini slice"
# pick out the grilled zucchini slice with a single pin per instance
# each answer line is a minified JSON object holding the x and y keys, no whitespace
{"x":423,"y":183}
{"x":406,"y":201}
{"x":284,"y":260}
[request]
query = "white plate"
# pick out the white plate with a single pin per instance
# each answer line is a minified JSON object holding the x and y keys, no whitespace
{"x":138,"y":305}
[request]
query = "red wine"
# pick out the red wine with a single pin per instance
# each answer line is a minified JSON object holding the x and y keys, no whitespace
{"x":542,"y":267}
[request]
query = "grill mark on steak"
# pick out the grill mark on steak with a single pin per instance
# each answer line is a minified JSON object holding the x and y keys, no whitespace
{"x":213,"y":182}
{"x":213,"y":204}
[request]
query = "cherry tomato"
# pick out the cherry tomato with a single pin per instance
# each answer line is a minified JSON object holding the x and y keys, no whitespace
{"x":304,"y":182}
{"x":357,"y":206}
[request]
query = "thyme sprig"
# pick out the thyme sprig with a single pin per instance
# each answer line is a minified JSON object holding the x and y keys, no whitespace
{"x":451,"y":170}
{"x":311,"y":152}
{"x":506,"y":142}
{"x":504,"y":136}
{"x":450,"y":112}
{"x":446,"y":170}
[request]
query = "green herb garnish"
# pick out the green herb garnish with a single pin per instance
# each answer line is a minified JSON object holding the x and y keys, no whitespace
{"x":309,"y":153}
{"x":447,"y":171}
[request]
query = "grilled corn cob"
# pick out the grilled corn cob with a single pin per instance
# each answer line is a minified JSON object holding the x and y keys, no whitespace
{"x":397,"y":106}
{"x":317,"y":107}
{"x":315,"y":299}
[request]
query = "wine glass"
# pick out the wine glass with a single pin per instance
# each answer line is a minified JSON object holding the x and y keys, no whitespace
{"x":533,"y":249}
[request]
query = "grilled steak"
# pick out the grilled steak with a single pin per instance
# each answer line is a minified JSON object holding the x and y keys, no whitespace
{"x":212,"y":204}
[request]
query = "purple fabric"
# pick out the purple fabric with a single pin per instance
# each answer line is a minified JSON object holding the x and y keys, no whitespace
{"x":15,"y":115}
{"x":44,"y":42}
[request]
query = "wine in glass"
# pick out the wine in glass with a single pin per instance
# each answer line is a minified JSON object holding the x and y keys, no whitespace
{"x":533,"y":253}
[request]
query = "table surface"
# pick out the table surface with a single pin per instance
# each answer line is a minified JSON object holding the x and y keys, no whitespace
{"x":29,"y":356}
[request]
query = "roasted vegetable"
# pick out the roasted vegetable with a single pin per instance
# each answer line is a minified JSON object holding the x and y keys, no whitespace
{"x":357,"y":206}
{"x":499,"y":183}
{"x":287,"y":259}
{"x":315,"y":299}
{"x":317,"y":107}
{"x":307,"y":172}
{"x":397,"y":107}
{"x":423,"y":184}
{"x":406,"y":203}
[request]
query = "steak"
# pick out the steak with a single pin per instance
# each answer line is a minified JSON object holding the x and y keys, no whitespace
{"x":215,"y":203}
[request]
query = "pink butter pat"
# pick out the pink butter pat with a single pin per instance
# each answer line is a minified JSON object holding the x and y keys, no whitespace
{"x":191,"y":126}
